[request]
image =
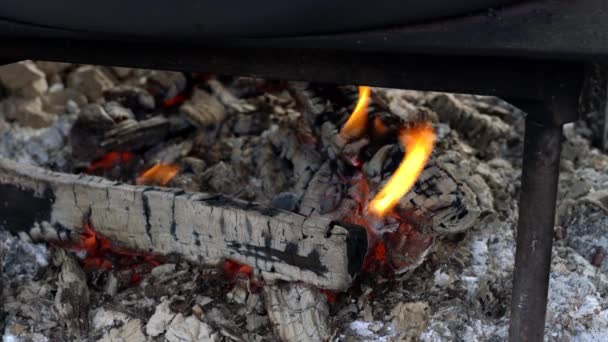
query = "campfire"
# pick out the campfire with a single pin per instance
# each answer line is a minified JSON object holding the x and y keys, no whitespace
{"x":143,"y":204}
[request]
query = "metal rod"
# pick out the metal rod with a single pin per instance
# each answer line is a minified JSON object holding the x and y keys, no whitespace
{"x":605,"y":130}
{"x":542,"y":148}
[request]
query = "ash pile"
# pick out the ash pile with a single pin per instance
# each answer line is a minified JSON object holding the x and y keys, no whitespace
{"x":435,"y":266}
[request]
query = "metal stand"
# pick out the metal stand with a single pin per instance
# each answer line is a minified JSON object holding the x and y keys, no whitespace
{"x":542,"y":148}
{"x":551,"y":85}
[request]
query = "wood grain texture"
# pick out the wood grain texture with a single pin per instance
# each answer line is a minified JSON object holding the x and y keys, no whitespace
{"x":298,"y":312}
{"x":201,"y":227}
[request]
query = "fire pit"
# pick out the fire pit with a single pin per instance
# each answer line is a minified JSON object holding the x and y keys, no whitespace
{"x":169,"y":186}
{"x":531,"y":53}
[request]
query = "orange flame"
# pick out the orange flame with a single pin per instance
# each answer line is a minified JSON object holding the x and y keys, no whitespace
{"x":159,"y":174}
{"x":356,"y":124}
{"x":419,"y":141}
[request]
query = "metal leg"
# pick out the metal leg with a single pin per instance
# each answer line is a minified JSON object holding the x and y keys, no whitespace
{"x":542,"y":148}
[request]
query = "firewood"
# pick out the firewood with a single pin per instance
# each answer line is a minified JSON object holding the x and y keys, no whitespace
{"x":204,"y":109}
{"x":304,"y":157}
{"x":298,"y":312}
{"x":200,"y":227}
{"x":439,"y":203}
{"x":131,"y":134}
{"x":398,"y":103}
{"x":96,"y":133}
{"x":310,"y":105}
{"x":322,"y":194}
{"x":480,"y":129}
{"x":72,"y":298}
{"x":228,"y":99}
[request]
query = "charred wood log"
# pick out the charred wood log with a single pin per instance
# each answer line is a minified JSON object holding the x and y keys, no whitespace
{"x":96,"y":132}
{"x":480,"y":129}
{"x":298,"y":312}
{"x":201,"y":227}
{"x":204,"y":109}
{"x":72,"y":298}
{"x":228,"y":99}
{"x":440,"y":203}
{"x":131,"y":134}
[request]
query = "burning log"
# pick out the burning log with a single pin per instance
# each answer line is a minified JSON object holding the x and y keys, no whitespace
{"x":201,"y":227}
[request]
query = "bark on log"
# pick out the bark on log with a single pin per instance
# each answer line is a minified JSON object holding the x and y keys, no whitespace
{"x":201,"y":227}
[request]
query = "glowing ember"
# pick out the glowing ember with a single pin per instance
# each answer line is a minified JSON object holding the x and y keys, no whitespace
{"x":380,"y":128}
{"x":234,"y":271}
{"x":356,"y":124}
{"x":109,"y":160}
{"x":102,"y":254}
{"x":174,"y":101}
{"x":159,"y":174}
{"x":331,"y":296}
{"x":375,"y":260}
{"x":419,"y":141}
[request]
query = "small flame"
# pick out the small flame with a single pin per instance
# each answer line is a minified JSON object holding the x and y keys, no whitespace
{"x":109,"y":160}
{"x":356,"y":124}
{"x":419,"y":141}
{"x":159,"y":174}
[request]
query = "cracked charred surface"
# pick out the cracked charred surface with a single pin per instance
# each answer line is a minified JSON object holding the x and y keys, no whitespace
{"x":298,"y":312}
{"x":201,"y":227}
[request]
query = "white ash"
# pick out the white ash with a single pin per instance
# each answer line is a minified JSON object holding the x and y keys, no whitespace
{"x":369,"y":331}
{"x":103,"y":319}
{"x":20,"y":260}
{"x":410,"y":319}
{"x":131,"y":331}
{"x":577,"y":303}
{"x":161,"y":318}
{"x":190,"y":329}
{"x":587,"y":231}
{"x":44,"y":147}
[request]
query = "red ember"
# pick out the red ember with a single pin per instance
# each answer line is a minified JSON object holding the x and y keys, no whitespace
{"x":175,"y":100}
{"x":380,"y":128}
{"x":331,"y":296}
{"x":103,"y":254}
{"x":109,"y":160}
{"x":235,"y":271}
